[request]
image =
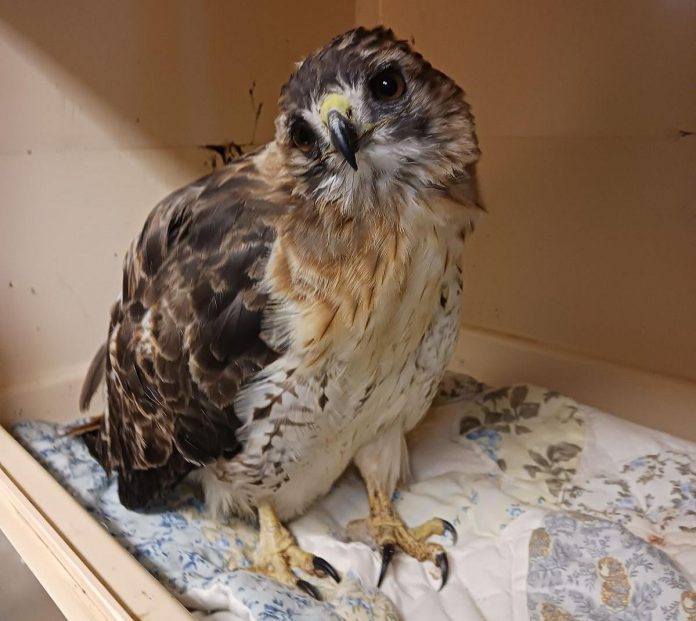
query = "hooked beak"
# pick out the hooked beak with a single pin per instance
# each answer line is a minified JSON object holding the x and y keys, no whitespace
{"x":336,"y":113}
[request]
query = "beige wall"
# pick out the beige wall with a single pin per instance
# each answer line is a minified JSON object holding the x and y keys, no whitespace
{"x":590,"y":244}
{"x":103,"y":107}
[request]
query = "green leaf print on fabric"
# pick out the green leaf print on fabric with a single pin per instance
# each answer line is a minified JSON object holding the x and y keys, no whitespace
{"x":534,"y":436}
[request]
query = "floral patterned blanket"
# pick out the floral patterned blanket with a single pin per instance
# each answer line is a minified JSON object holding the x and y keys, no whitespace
{"x":564,"y":513}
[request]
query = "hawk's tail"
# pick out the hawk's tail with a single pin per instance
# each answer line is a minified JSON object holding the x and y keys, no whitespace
{"x":84,"y":427}
{"x":94,"y":377}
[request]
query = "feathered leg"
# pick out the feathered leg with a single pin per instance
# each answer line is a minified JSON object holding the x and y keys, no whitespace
{"x":380,"y":464}
{"x":277,"y":553}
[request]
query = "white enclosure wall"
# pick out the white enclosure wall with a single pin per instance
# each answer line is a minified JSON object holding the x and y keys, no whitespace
{"x":581,"y":276}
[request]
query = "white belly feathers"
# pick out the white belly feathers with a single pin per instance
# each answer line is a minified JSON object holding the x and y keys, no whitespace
{"x":303,"y":429}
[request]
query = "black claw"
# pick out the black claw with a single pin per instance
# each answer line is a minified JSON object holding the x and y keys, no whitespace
{"x":387,"y":555}
{"x":448,"y":528}
{"x":443,"y":564}
{"x":310,"y":589}
{"x":325,"y":567}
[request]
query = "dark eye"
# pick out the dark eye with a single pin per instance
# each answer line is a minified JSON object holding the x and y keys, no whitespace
{"x":302,"y":137}
{"x":387,"y":85}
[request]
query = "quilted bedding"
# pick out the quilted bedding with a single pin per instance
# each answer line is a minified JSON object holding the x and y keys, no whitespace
{"x":563,"y":513}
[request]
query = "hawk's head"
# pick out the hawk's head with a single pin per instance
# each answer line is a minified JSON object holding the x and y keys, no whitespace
{"x":366,"y":122}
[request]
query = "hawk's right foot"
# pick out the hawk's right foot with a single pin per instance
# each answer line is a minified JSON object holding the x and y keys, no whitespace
{"x":390,"y":534}
{"x":277,"y":554}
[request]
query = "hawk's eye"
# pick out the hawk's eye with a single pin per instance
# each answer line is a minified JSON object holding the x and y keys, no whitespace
{"x":387,"y":85}
{"x":302,"y":137}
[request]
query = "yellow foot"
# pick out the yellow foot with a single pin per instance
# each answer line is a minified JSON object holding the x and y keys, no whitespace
{"x":389,"y":532}
{"x":277,"y":554}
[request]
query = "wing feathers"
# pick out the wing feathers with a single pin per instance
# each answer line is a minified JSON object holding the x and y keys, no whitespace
{"x":186,"y":334}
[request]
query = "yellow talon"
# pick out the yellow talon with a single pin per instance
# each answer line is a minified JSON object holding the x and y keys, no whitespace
{"x":277,"y":553}
{"x":389,"y":532}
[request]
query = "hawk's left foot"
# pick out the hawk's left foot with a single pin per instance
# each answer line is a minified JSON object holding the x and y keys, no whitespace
{"x":389,"y":532}
{"x":278,"y":553}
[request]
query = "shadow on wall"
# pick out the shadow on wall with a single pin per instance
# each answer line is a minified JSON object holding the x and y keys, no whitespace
{"x":176,"y":74}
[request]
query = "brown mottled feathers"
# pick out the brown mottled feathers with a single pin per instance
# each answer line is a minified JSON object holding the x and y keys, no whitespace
{"x":186,"y":332}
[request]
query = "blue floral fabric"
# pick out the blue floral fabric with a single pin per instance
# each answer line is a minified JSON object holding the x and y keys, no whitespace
{"x":587,"y":568}
{"x":187,"y":550}
{"x":563,"y":514}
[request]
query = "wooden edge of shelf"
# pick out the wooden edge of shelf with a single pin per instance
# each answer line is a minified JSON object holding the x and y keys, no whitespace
{"x":88,"y":574}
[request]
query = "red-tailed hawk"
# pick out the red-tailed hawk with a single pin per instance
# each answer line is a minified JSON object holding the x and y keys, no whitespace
{"x":295,"y":311}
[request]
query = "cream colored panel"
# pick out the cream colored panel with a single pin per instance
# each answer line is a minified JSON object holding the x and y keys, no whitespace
{"x":574,"y":67}
{"x":368,"y":13}
{"x":590,"y":244}
{"x":66,"y":221}
{"x":151,"y":72}
{"x":103,"y":110}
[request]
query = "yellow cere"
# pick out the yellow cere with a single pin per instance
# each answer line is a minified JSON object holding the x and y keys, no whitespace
{"x":334,"y":101}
